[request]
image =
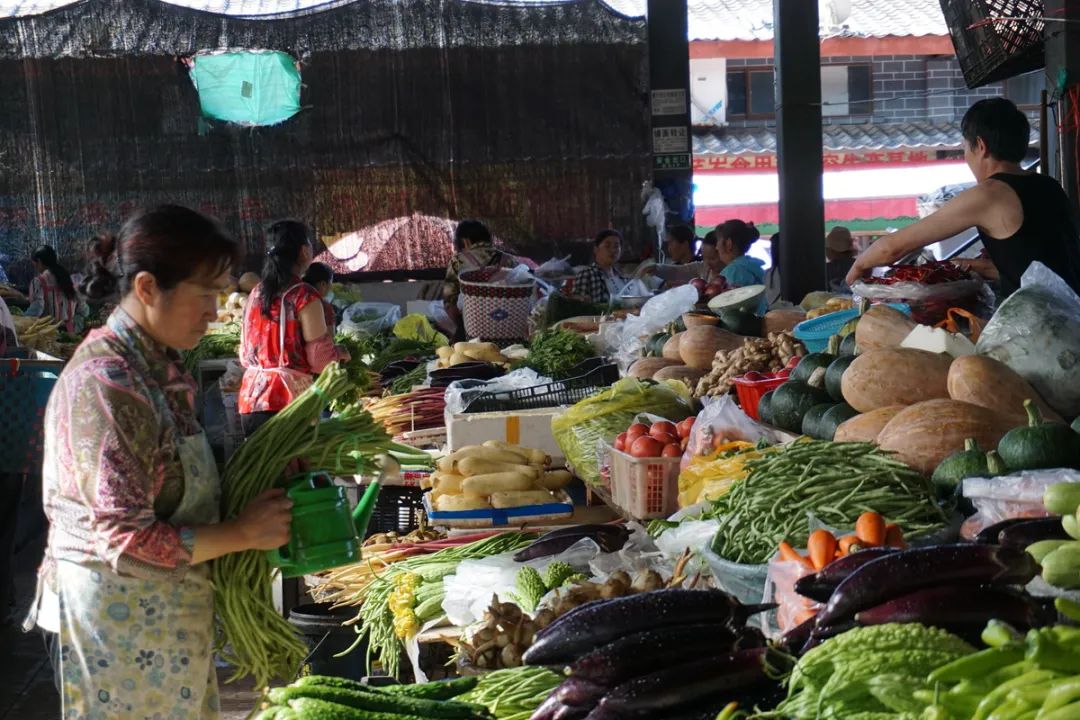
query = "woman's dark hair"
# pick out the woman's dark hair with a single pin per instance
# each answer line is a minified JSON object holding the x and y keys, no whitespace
{"x":170,"y":242}
{"x":285,"y":240}
{"x":47,"y":257}
{"x":474,"y":231}
{"x":1001,"y":125}
{"x":682,"y":233}
{"x":711,"y":239}
{"x":317,"y":273}
{"x":742,"y":234}
{"x":774,"y":249}
{"x":604,"y":235}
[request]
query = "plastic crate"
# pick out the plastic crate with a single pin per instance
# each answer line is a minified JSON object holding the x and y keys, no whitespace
{"x":556,"y":394}
{"x":750,"y":392}
{"x":397,"y":510}
{"x":991,"y":50}
{"x":25,"y":386}
{"x":645,"y":488}
{"x":815,"y":333}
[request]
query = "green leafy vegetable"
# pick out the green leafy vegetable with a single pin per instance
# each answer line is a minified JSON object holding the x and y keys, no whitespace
{"x":554,"y":352}
{"x":219,"y":343}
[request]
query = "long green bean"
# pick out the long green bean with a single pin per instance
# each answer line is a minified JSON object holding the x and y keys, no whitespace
{"x":513,"y":694}
{"x":834,"y":482}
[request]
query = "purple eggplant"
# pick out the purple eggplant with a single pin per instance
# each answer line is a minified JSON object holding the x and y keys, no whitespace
{"x":552,"y":709}
{"x":905,"y":572}
{"x":989,"y":535}
{"x":610,"y":538}
{"x":795,"y":638}
{"x":600,"y":622}
{"x":579,"y":692}
{"x":657,"y":694}
{"x":820,"y":585}
{"x":1032,"y":531}
{"x":640,"y":653}
{"x":960,"y":607}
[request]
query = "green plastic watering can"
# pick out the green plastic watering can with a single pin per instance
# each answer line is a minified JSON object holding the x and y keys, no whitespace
{"x":324,"y":533}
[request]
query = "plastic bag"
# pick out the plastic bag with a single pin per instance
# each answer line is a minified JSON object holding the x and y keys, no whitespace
{"x":708,"y":478}
{"x":415,"y":326}
{"x":369,"y":317}
{"x":625,"y":339}
{"x":723,"y":420}
{"x":792,"y":608}
{"x":1036,"y":332}
{"x":462,"y":392}
{"x":608,"y":413}
{"x":929,"y":303}
{"x":1018,"y":495}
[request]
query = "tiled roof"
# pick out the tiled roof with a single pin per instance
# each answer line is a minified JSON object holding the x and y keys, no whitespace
{"x":753,"y":19}
{"x":733,"y":141}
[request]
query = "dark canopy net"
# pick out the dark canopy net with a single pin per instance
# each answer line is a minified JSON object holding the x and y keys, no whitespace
{"x":532,"y":116}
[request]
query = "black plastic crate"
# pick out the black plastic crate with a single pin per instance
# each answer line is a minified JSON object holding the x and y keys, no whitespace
{"x":397,"y":510}
{"x":990,"y":50}
{"x":562,"y":392}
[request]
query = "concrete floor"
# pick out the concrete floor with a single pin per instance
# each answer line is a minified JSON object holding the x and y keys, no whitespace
{"x":27,"y":691}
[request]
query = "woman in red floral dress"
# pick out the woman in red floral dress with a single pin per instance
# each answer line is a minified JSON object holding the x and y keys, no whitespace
{"x":285,"y":341}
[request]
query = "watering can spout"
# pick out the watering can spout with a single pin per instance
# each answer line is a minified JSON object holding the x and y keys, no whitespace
{"x":364,"y":508}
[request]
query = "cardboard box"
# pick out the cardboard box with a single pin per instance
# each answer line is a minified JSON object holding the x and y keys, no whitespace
{"x":529,"y":428}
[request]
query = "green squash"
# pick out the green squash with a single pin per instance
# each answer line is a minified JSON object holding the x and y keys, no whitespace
{"x":834,"y":374}
{"x":832,"y":419}
{"x":764,"y":408}
{"x":950,"y":472}
{"x":1039,"y":444}
{"x":812,"y":421}
{"x":741,"y":322}
{"x":848,"y":347}
{"x":813,"y":361}
{"x":792,"y":400}
{"x":654,"y":346}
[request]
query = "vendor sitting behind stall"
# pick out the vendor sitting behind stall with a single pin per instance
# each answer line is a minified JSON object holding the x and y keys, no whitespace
{"x":474,"y":250}
{"x":1021,"y":217}
{"x":839,"y":257}
{"x":710,"y":256}
{"x":602,"y":281}
{"x":52,"y":292}
{"x":321,"y":277}
{"x":285,"y":341}
{"x":682,"y":265}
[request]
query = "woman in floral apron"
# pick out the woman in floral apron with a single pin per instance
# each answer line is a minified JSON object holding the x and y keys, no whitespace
{"x":132,"y":491}
{"x":284,"y":340}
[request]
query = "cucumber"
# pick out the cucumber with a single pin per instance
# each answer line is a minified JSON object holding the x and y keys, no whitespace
{"x":441,"y":690}
{"x":373,"y":700}
{"x":1062,"y":498}
{"x":1041,"y":549}
{"x":1061,"y":567}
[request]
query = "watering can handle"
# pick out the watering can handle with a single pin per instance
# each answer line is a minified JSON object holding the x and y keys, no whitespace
{"x":365,"y":507}
{"x":279,"y":557}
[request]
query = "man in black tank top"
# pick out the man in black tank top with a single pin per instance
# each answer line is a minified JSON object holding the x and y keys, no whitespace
{"x":1021,"y":217}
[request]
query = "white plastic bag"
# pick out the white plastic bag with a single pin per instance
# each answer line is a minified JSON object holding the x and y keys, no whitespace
{"x":1036,"y":332}
{"x":722,"y":418}
{"x":1010,"y":496}
{"x":369,"y":317}
{"x":656,"y":314}
{"x":461,"y":392}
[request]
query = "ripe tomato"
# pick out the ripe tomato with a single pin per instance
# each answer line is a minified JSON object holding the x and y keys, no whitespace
{"x":620,"y":442}
{"x":684,"y":428}
{"x":671,"y":451}
{"x":635,"y":431}
{"x":662,"y":428}
{"x":646,"y":447}
{"x":666,"y":438}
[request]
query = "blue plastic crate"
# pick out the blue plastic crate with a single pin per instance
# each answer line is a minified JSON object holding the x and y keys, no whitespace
{"x":24,"y":393}
{"x":815,"y":333}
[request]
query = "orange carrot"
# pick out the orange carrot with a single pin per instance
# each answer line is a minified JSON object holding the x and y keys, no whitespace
{"x":822,"y":547}
{"x":894,"y":536}
{"x":870,"y":528}
{"x":789,"y":553}
{"x":849,"y":544}
{"x":803,"y":615}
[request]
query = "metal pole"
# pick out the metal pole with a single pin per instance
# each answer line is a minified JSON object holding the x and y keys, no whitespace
{"x":1063,"y":60}
{"x":669,"y":96}
{"x":797,"y":49}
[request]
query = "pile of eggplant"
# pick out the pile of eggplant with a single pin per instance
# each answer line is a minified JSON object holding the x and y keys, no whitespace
{"x":609,"y":538}
{"x":958,"y":588}
{"x":673,"y":654}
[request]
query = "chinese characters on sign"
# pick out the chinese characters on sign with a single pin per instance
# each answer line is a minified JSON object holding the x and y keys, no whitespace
{"x":668,"y":102}
{"x":671,"y":162}
{"x":667,"y":140}
{"x":767,"y":162}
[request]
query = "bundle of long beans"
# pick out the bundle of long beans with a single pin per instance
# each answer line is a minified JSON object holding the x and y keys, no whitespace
{"x":222,"y":343}
{"x":514,"y":693}
{"x":376,"y":618}
{"x":418,"y":410}
{"x":252,"y":635}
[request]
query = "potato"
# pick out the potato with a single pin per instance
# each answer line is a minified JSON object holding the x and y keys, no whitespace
{"x":497,"y":482}
{"x":556,"y":479}
{"x":459,"y":503}
{"x":520,"y":498}
{"x":478,"y":466}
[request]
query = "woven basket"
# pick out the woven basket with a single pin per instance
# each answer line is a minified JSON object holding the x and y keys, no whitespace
{"x":495,"y":311}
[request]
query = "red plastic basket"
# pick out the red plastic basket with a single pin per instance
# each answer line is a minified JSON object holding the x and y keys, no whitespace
{"x":750,"y":392}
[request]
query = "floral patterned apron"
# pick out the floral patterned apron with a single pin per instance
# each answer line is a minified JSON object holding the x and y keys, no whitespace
{"x":132,"y":648}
